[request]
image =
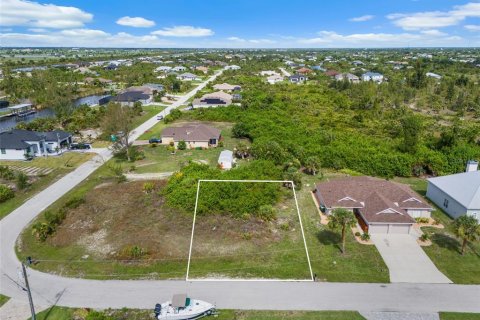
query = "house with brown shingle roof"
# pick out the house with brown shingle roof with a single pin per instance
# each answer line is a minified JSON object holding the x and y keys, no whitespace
{"x":227,"y":87}
{"x":194,"y":135}
{"x":380,"y":206}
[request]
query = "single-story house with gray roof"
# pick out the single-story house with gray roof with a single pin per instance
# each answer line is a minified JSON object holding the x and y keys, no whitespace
{"x":19,"y":144}
{"x":457,"y":194}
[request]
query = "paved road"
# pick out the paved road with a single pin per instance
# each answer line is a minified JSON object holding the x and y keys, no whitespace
{"x":285,"y":72}
{"x":406,"y":261}
{"x":51,"y":289}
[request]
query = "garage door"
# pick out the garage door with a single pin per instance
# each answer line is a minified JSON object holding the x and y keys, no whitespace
{"x":400,"y":228}
{"x":378,"y":228}
{"x":392,"y":228}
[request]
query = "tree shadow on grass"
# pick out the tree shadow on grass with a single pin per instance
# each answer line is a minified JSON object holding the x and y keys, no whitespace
{"x":329,"y":237}
{"x":446,"y":242}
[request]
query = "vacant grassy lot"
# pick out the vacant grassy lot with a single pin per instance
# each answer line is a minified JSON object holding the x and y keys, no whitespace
{"x":159,"y":159}
{"x":98,"y":240}
{"x":137,"y":235}
{"x":61,"y":165}
{"x":59,"y":313}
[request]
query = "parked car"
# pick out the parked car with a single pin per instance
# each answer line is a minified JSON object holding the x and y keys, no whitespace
{"x":154,"y":140}
{"x":159,"y":117}
{"x":80,"y":146}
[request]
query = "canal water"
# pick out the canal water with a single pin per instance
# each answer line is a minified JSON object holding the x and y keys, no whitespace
{"x":10,"y":122}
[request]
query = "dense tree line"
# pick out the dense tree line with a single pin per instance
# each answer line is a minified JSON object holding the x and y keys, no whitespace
{"x":365,"y":127}
{"x":234,"y":198}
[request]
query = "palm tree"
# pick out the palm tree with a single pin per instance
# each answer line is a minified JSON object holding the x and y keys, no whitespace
{"x":467,"y":228}
{"x":342,"y":219}
{"x":312,"y":165}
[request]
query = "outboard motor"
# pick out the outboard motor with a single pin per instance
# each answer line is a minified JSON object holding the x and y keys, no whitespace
{"x":158,"y":309}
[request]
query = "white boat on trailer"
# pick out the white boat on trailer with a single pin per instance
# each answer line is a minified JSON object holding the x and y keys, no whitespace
{"x":183,"y":308}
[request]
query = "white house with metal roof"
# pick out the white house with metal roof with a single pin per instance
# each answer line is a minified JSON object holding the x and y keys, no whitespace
{"x":457,"y":194}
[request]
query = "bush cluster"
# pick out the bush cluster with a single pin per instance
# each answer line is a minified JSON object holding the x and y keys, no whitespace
{"x":52,"y":219}
{"x":232,"y":198}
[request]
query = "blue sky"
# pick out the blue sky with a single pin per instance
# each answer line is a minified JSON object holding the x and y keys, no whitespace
{"x":241,"y":23}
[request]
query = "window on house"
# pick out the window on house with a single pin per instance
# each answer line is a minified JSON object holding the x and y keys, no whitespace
{"x":3,"y":151}
{"x":445,"y":203}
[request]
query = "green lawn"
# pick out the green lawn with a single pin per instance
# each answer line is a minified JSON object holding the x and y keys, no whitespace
{"x":148,"y":112}
{"x":445,"y":254}
{"x":3,"y":299}
{"x":60,"y":313}
{"x":459,"y":316}
{"x":61,"y":165}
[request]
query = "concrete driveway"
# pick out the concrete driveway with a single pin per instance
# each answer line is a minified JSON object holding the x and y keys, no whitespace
{"x":406,"y":261}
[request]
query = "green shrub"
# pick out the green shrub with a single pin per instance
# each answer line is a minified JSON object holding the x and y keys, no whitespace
{"x":231,"y":198}
{"x":424,"y":237}
{"x":5,"y":193}
{"x":148,"y":187}
{"x":285,"y":226}
{"x":42,"y":230}
{"x":133,"y":252}
{"x":21,"y":181}
{"x":422,"y":220}
{"x":357,"y":234}
{"x":182,"y":145}
{"x":7,"y":173}
{"x":74,"y":202}
{"x":247,"y":236}
{"x":266,"y":212}
{"x":365,"y":236}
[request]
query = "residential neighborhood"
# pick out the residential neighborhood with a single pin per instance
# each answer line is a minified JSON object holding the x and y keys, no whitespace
{"x":167,"y":160}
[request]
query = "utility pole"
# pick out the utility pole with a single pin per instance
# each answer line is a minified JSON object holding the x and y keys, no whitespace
{"x":32,"y":308}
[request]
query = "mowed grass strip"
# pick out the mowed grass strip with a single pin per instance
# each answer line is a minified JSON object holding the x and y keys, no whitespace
{"x":61,"y":313}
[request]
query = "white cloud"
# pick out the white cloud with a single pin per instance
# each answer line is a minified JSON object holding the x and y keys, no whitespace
{"x":82,"y":38}
{"x":426,"y":38}
{"x":137,"y":22}
{"x":184,"y":31}
{"x":253,"y":41}
{"x":362,"y":18}
{"x":434,"y":33}
{"x":472,"y":27}
{"x":37,"y":30}
{"x":435,"y":19}
{"x":236,"y":39}
{"x":34,"y":14}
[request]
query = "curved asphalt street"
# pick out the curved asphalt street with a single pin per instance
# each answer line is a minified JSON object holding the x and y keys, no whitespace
{"x":49,"y":289}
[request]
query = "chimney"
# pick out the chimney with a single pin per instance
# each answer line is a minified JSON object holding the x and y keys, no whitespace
{"x":472,"y":165}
